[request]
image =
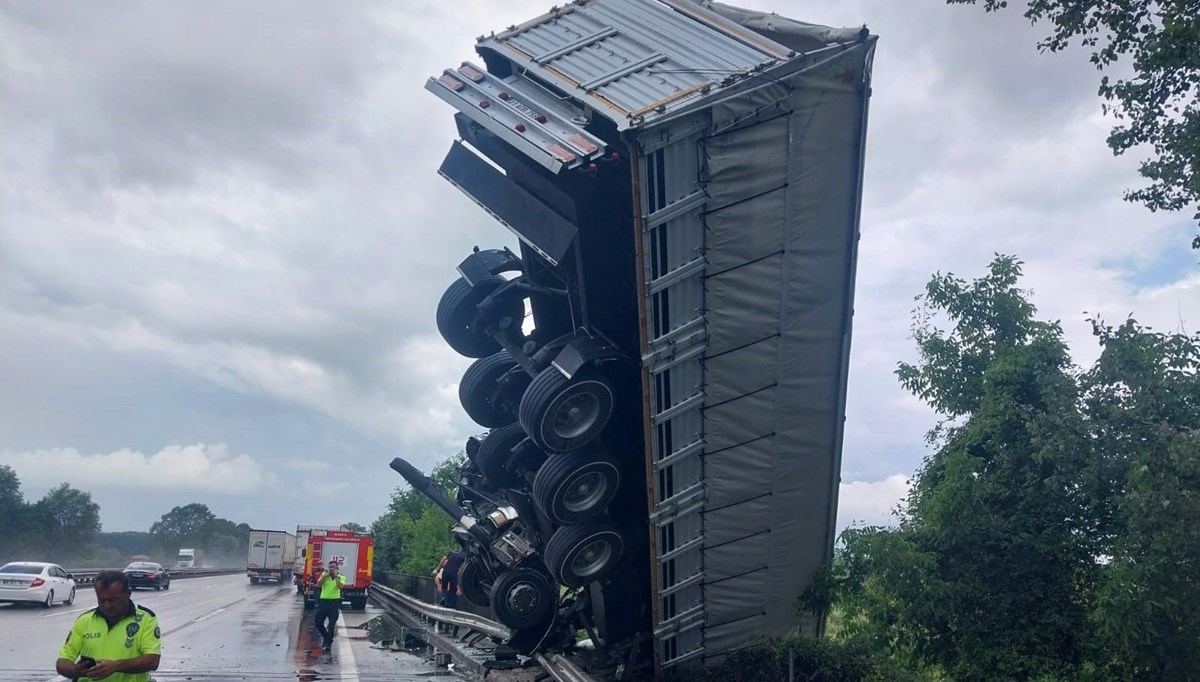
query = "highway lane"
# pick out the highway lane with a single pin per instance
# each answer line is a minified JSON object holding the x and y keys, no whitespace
{"x":214,"y":629}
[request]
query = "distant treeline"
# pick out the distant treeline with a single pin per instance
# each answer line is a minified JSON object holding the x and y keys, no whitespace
{"x":64,"y":527}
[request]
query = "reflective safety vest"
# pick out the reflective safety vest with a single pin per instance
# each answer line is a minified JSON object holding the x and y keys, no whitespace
{"x":136,"y":634}
{"x":332,"y":589}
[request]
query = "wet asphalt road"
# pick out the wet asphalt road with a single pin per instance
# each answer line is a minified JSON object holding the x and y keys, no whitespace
{"x":216,"y":629}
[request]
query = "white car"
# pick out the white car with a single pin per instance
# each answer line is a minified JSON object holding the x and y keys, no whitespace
{"x":35,"y":581}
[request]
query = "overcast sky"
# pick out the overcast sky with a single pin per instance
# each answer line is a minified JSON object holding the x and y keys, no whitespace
{"x":222,"y":238}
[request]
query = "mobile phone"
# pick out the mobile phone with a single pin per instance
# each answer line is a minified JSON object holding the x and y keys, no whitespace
{"x":87,"y":661}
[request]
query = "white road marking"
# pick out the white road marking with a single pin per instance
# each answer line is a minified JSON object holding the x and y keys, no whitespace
{"x":135,"y":601}
{"x":346,"y":663}
{"x":209,"y":615}
{"x":64,"y":613}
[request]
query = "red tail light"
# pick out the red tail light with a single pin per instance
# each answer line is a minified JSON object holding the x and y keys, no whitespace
{"x":152,"y":575}
{"x":37,"y":582}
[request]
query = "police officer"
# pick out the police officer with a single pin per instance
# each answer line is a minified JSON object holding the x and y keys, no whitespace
{"x":329,"y":604}
{"x":117,"y":640}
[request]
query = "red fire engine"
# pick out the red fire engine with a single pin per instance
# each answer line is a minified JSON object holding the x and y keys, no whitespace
{"x":354,"y":553}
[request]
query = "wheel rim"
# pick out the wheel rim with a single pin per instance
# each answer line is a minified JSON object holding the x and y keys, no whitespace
{"x":592,"y":558}
{"x":585,"y":492}
{"x":576,"y":415}
{"x":523,"y":599}
{"x":50,"y":598}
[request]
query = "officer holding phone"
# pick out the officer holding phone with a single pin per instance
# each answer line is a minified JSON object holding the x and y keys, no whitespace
{"x":118,"y":640}
{"x":330,"y":603}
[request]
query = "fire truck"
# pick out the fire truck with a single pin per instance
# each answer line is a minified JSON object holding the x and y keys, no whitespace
{"x":354,"y":553}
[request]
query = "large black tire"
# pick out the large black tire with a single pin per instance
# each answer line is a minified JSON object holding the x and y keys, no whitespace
{"x":475,"y":582}
{"x":253,"y":581}
{"x":458,"y":318}
{"x":71,"y":599}
{"x":523,"y":598}
{"x":561,"y":414}
{"x":486,"y":401}
{"x":495,"y":456}
{"x":578,"y":555}
{"x":575,"y":487}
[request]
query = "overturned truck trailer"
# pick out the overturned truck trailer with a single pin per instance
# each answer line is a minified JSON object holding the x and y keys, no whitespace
{"x":663,"y":361}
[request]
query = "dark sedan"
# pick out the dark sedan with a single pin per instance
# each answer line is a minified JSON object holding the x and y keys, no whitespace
{"x":146,"y":574}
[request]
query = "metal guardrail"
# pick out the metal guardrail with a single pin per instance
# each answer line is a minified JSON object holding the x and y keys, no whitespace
{"x":424,"y":588}
{"x":474,"y":627}
{"x":86,"y":576}
{"x":450,"y":616}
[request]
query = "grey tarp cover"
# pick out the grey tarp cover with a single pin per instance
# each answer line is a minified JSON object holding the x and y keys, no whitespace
{"x":782,"y":219}
{"x":797,"y":35}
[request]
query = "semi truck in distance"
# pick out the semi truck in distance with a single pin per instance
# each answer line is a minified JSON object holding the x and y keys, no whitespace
{"x":272,"y":556}
{"x":661,"y":361}
{"x":355,"y":556}
{"x":190,"y":558}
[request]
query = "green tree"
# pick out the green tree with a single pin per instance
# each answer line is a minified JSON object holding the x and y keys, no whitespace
{"x":981,"y":580}
{"x":1054,"y":532}
{"x":11,"y":500}
{"x":128,"y":543}
{"x":69,"y":521}
{"x":1143,"y":399}
{"x":184,"y":526}
{"x":425,"y":538}
{"x":22,"y":533}
{"x":224,"y":542}
{"x":354,"y":527}
{"x":1159,"y":104}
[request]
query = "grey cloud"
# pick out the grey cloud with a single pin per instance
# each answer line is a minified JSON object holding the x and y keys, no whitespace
{"x":144,"y":92}
{"x":221,"y":222}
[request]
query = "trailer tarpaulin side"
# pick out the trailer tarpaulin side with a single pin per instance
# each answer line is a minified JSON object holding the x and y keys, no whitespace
{"x":783,"y":239}
{"x":782,"y":170}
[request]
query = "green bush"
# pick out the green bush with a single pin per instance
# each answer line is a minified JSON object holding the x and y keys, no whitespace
{"x":813,"y":660}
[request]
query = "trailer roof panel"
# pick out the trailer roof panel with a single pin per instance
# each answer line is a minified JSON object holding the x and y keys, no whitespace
{"x":632,"y":60}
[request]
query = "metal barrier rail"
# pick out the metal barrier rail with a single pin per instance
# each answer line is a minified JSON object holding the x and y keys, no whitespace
{"x":422,"y":587}
{"x":86,"y":576}
{"x":476,"y":626}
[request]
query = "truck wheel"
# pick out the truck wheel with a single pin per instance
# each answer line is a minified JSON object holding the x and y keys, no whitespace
{"x":473,"y":579}
{"x":254,"y":581}
{"x":562,"y":414}
{"x":487,"y":401}
{"x":359,"y":604}
{"x":578,"y":555}
{"x":522,"y":598}
{"x":575,"y":487}
{"x":495,"y":454}
{"x":458,"y":318}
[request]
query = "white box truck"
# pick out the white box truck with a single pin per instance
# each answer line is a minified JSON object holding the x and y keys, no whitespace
{"x":272,"y":556}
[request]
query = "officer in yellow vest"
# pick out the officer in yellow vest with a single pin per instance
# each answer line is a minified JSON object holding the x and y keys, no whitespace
{"x":118,"y":640}
{"x":329,"y":604}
